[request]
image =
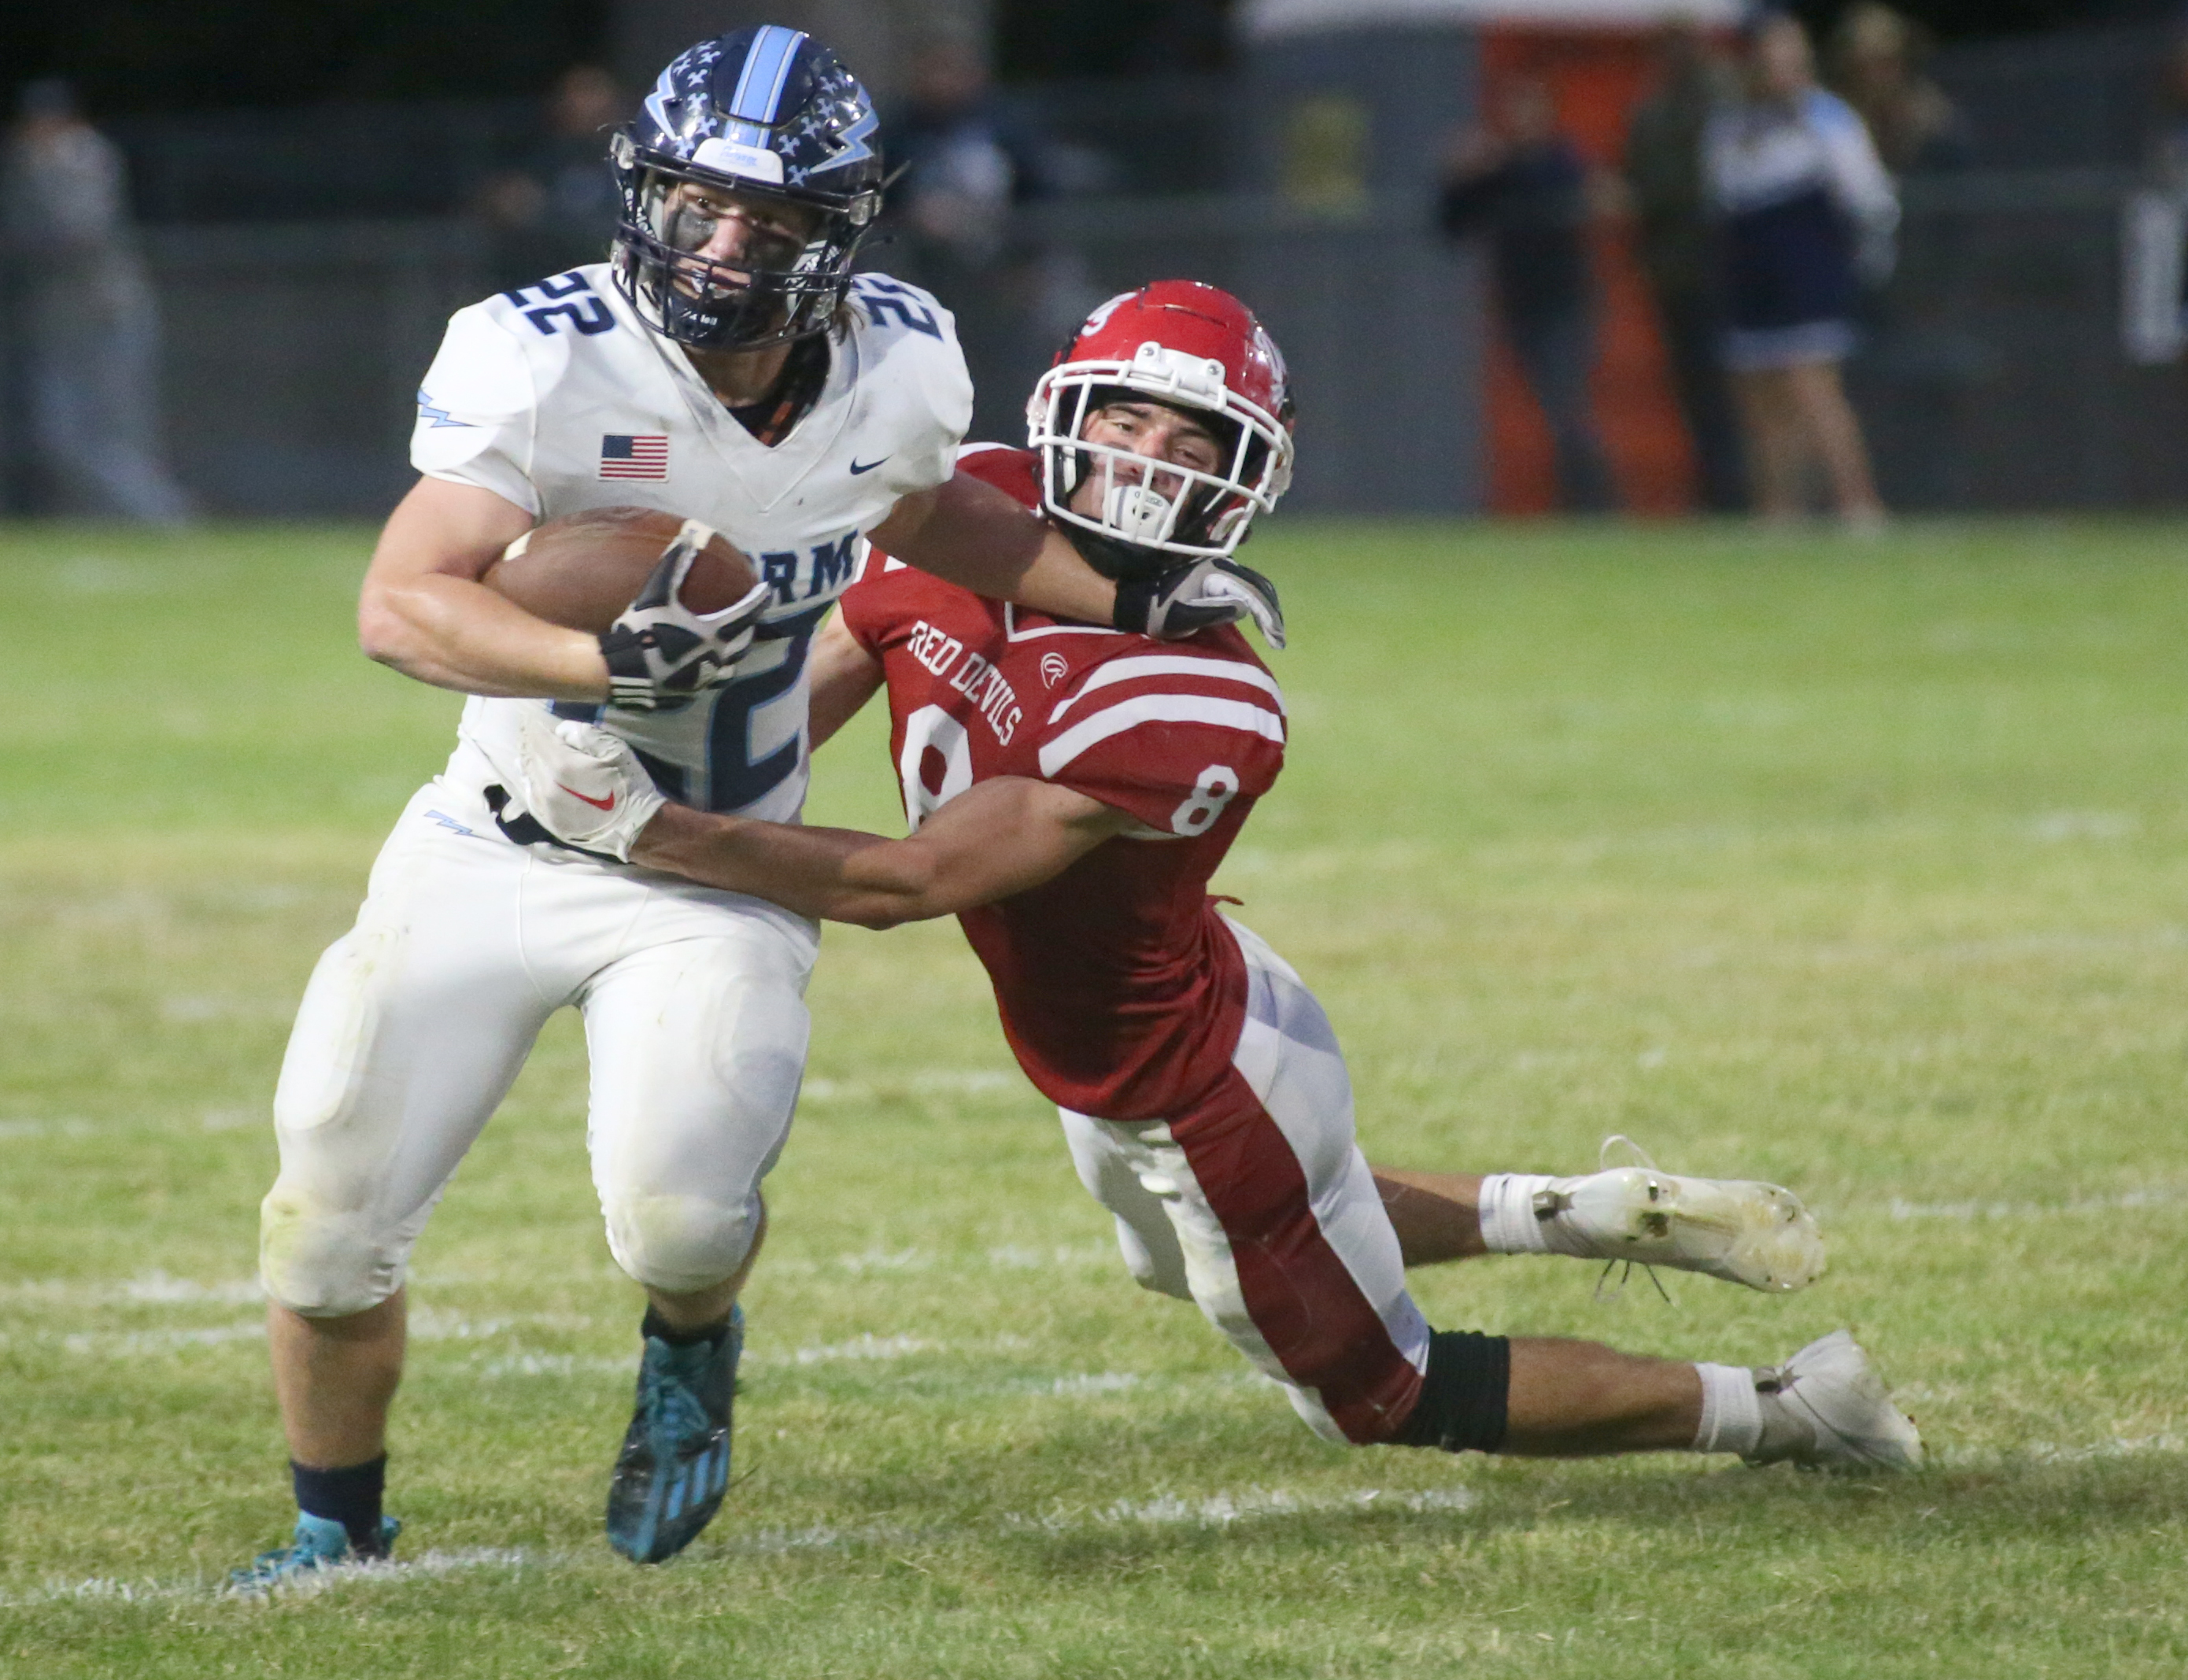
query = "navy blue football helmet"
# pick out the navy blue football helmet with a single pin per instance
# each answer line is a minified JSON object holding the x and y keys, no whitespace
{"x":767,"y":113}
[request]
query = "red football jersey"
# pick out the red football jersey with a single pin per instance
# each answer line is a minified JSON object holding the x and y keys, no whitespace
{"x":1121,"y":989}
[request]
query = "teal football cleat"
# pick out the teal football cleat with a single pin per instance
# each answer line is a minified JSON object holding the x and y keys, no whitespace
{"x":674,"y":1466}
{"x":319,"y":1543}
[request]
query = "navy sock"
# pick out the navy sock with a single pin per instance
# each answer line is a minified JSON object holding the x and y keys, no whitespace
{"x":349,"y":1496}
{"x":660,"y":1329}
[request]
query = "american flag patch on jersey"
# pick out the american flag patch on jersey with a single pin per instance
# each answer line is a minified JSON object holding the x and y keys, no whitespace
{"x":629,"y":457}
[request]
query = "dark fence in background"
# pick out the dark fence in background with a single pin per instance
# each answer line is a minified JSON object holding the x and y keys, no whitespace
{"x":332,"y":162}
{"x":2080,"y":99}
{"x":1380,"y":319}
{"x":293,"y":353}
{"x":1994,"y":379}
{"x":1994,"y":376}
{"x":307,"y":260}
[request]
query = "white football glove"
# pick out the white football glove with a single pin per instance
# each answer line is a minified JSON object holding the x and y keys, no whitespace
{"x":660,"y":653}
{"x":1195,"y":594}
{"x":573,"y":785}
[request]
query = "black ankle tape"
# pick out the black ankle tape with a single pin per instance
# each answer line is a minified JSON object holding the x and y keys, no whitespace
{"x":659,"y":1329}
{"x":349,"y":1496}
{"x":1464,"y":1396}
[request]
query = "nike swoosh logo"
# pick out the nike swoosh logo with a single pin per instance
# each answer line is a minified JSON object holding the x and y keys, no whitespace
{"x":858,"y":467}
{"x":606,"y":804}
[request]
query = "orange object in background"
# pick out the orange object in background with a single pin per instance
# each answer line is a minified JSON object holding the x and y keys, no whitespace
{"x":1597,"y":77}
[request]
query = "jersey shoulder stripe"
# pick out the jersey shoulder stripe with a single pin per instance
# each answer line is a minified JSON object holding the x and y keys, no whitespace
{"x":1090,"y":732}
{"x":1170,"y":665}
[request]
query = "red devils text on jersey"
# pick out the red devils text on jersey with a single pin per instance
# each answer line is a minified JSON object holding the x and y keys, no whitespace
{"x":1120,"y":989}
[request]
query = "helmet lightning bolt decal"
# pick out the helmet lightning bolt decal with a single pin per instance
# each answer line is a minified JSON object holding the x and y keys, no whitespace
{"x":855,"y":148}
{"x":656,"y":102}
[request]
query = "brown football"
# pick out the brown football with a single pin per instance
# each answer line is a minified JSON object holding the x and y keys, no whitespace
{"x":584,"y":569}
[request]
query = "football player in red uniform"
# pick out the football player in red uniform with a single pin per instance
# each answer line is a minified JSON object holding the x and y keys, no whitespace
{"x":1070,"y":791}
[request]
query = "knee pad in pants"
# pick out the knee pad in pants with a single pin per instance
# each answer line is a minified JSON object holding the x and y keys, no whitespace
{"x":681,"y":1243}
{"x":323,"y":1262}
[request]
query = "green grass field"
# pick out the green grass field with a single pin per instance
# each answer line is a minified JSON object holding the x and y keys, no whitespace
{"x":1857,"y":867}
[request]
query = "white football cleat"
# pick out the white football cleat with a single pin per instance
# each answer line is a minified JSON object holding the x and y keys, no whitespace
{"x":1737,"y":1229}
{"x":1825,"y":1408}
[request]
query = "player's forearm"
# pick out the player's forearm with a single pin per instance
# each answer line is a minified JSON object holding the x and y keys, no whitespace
{"x":976,"y":536}
{"x":843,"y":676}
{"x":830,"y":874}
{"x":454,"y":633}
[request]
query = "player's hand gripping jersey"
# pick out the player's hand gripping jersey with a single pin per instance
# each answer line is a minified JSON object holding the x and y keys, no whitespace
{"x":556,"y":397}
{"x":1122,"y":991}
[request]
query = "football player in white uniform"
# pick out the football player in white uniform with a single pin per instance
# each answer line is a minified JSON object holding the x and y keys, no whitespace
{"x":725,"y":365}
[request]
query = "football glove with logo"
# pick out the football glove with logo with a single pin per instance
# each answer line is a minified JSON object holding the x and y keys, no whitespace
{"x":661,"y":654}
{"x":1197,"y":594}
{"x":573,"y":785}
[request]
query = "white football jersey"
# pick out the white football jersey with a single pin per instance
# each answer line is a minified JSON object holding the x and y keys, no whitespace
{"x":557,"y":397}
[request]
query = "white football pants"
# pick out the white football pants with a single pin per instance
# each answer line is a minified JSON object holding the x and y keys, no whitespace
{"x":416,"y":1022}
{"x":1258,"y":1206}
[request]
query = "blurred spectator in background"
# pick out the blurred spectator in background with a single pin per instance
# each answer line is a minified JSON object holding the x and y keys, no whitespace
{"x":555,"y":208}
{"x":2154,"y":232}
{"x":1919,"y":366}
{"x":1524,"y":185}
{"x":1807,"y":216}
{"x":967,"y":161}
{"x":87,"y":321}
{"x":1874,"y":57}
{"x":1677,"y":235}
{"x":2168,"y":136}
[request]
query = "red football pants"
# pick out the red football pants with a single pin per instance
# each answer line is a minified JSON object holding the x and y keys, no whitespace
{"x":1259,"y":1206}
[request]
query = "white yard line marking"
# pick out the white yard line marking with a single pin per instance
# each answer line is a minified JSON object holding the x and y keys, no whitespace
{"x":426,"y":1566}
{"x":920,"y":1082}
{"x":866,"y":1347}
{"x":1222,"y":1511}
{"x":556,"y":1365}
{"x":12,"y":1130}
{"x":2119,"y":1447}
{"x":426,"y":1326}
{"x":1007,"y":1257}
{"x":1900,"y":1210}
{"x":1097,"y":1382}
{"x":2055,"y":826}
{"x":126,"y":1343}
{"x":2054,"y":1452}
{"x":158,"y":1286}
{"x":152,"y":1286}
{"x":210,"y":1119}
{"x":1011,"y":1257}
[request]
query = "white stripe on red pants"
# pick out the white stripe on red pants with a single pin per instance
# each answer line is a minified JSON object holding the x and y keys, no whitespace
{"x":1259,"y":1206}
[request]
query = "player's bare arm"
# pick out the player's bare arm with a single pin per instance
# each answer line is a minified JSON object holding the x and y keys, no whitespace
{"x":970,"y":533}
{"x":423,"y":610}
{"x":999,"y":838}
{"x":1437,"y":1215}
{"x":845,"y":677}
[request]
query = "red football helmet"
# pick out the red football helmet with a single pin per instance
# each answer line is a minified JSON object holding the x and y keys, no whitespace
{"x":1189,"y":346}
